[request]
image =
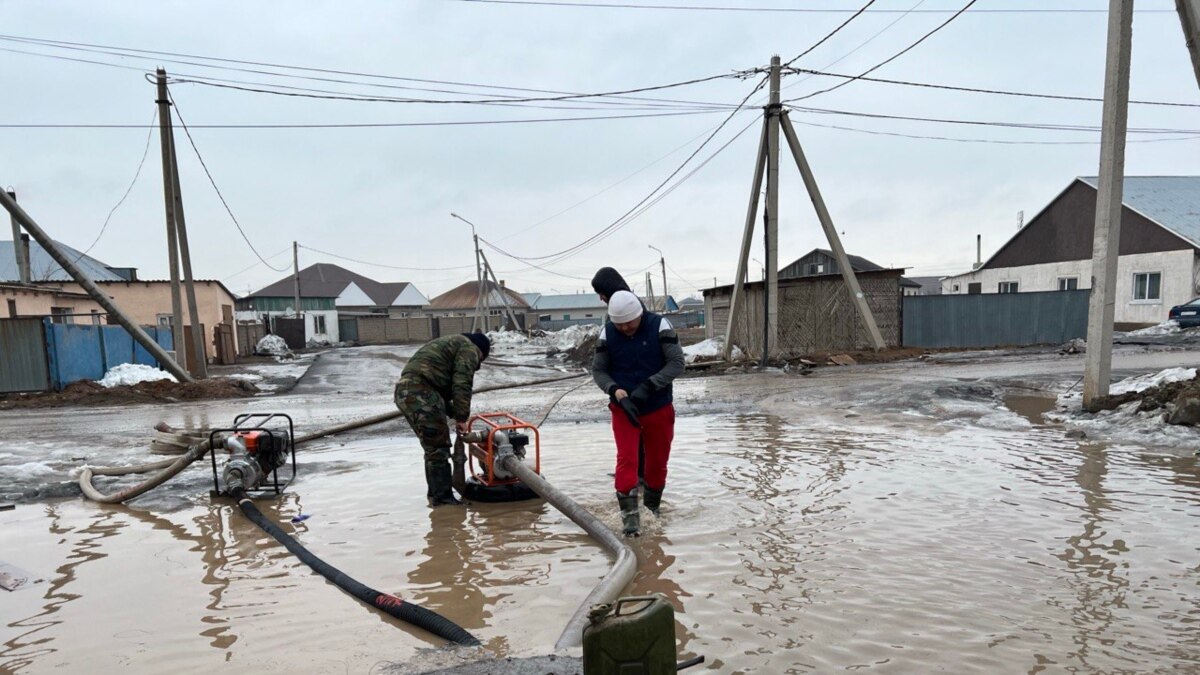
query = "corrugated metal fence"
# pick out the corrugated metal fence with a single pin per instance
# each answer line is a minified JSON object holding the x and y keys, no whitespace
{"x":995,"y":319}
{"x":23,"y":364}
{"x":37,"y":355}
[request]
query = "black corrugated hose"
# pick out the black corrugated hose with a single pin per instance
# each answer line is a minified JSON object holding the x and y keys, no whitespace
{"x":386,"y":602}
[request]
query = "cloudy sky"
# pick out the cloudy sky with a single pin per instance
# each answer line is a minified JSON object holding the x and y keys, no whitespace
{"x":382,"y":195}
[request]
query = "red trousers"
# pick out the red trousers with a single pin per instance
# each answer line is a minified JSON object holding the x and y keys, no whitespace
{"x":656,"y":434}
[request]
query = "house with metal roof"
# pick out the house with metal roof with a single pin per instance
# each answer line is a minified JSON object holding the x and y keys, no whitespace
{"x":460,"y":302}
{"x":43,"y":268}
{"x":821,"y":262}
{"x":569,"y":307}
{"x":1159,"y":249}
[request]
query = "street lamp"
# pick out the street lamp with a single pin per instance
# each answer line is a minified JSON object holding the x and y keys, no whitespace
{"x":761,"y":267}
{"x":662,"y":261}
{"x":479,"y":294}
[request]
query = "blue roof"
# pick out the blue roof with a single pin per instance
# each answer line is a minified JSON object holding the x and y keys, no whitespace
{"x":1170,"y":201}
{"x":572,"y":301}
{"x":43,"y":268}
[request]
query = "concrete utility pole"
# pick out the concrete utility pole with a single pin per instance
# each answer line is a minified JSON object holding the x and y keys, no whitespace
{"x":481,"y":303}
{"x":500,"y":289}
{"x":1107,"y":238}
{"x":90,"y":287}
{"x":296,"y":277}
{"x":1189,"y":16}
{"x":185,"y":255}
{"x":650,"y":291}
{"x":771,"y":339}
{"x":739,"y":290}
{"x":164,"y":127}
{"x":835,"y":242}
{"x":662,"y":260}
{"x":20,"y":247}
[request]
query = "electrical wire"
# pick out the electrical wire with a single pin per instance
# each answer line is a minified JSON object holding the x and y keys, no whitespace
{"x":136,"y":175}
{"x":993,"y":141}
{"x":893,"y":57}
{"x":213,"y":182}
{"x":835,"y":31}
{"x":799,"y":10}
{"x":989,"y":123}
{"x":391,"y":267}
{"x":981,"y":90}
{"x":247,"y":269}
{"x":530,"y":264}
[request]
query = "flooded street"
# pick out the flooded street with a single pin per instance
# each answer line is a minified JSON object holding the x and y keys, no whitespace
{"x":902,"y":518}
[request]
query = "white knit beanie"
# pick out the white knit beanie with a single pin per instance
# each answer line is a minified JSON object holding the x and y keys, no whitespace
{"x":624,"y":307}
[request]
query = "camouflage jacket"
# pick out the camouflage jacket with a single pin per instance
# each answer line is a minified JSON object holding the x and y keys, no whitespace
{"x":447,"y":365}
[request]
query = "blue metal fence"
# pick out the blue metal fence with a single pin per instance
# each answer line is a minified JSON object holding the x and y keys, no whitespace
{"x":86,"y":352}
{"x":995,"y":319}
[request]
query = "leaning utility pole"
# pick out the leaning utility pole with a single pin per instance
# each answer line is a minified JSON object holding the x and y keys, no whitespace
{"x":662,"y":260}
{"x":650,"y":291}
{"x":164,"y":124}
{"x":93,"y":290}
{"x":501,"y":290}
{"x":20,"y":247}
{"x":1189,"y":16}
{"x":1107,"y":236}
{"x":185,"y":257}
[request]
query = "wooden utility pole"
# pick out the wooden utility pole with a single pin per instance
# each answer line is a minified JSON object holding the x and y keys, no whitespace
{"x":185,"y":256}
{"x":662,"y":260}
{"x":1107,"y":237}
{"x":20,"y":247}
{"x":835,"y":242}
{"x":650,"y":291}
{"x":1189,"y":16}
{"x":93,"y":290}
{"x":164,"y":127}
{"x":771,"y":339}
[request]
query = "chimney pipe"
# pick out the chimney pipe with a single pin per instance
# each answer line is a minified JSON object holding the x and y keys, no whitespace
{"x":26,"y":268}
{"x":978,"y":251}
{"x":502,"y":284}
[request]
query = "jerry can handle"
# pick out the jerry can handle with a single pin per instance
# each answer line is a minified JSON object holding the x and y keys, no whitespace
{"x":621,"y":602}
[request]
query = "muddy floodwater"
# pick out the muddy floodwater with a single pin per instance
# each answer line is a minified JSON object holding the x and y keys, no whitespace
{"x":911,"y":518}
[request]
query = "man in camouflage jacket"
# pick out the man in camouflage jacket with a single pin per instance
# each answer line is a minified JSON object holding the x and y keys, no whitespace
{"x":436,"y":384}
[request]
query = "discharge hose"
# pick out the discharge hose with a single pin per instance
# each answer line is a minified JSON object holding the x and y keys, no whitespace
{"x":622,"y":570}
{"x":386,"y":602}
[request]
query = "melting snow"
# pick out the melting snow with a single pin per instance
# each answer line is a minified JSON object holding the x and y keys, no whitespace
{"x":132,"y":373}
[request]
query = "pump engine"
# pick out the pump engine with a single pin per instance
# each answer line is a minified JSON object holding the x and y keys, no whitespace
{"x":256,"y":447}
{"x":501,"y":436}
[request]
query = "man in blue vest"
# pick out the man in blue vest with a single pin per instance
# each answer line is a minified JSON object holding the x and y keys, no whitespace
{"x":637,"y":357}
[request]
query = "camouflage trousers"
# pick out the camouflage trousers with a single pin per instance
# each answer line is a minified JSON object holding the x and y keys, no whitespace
{"x":426,"y":414}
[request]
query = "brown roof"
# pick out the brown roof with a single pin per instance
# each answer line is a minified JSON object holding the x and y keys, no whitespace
{"x":324,"y":280}
{"x":464,"y":296}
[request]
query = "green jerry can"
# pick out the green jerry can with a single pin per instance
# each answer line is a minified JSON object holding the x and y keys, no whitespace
{"x":633,"y":636}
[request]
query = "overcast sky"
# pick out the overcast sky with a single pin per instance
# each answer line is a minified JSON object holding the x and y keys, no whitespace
{"x":384,"y":195}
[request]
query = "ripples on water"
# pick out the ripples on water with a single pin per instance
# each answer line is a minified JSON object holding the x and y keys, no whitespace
{"x":963,"y":539}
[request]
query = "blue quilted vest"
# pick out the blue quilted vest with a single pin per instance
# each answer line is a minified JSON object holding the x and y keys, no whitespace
{"x":632,"y":360}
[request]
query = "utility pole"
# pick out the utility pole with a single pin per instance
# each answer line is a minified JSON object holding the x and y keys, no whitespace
{"x":20,"y":247}
{"x":739,"y":280}
{"x":1189,"y":16}
{"x":774,"y":109}
{"x":481,"y":302}
{"x":164,"y":127}
{"x":296,"y":277}
{"x":198,"y":351}
{"x":1107,"y":237}
{"x":662,"y":260}
{"x":93,"y":290}
{"x":650,"y":291}
{"x":500,"y":289}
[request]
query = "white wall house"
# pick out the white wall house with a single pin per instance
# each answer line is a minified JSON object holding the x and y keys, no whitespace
{"x":1159,"y":263}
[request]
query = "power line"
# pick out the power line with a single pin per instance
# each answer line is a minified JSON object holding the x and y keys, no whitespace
{"x":893,"y":57}
{"x":375,"y":125}
{"x":980,"y":90}
{"x":391,"y":267}
{"x":799,"y":10}
{"x":989,"y":123}
{"x":136,"y":175}
{"x":228,"y":210}
{"x":247,"y":269}
{"x":530,"y":264}
{"x":993,"y":141}
{"x":835,"y":31}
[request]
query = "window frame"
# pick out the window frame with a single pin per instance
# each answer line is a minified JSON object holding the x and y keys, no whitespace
{"x":1135,"y":300}
{"x":1015,"y":285}
{"x":1068,"y":280}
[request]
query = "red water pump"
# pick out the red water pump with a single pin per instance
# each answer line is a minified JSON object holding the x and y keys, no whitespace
{"x":495,"y":439}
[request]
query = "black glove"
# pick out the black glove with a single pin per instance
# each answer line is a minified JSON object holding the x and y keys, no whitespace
{"x":630,"y":411}
{"x":641,"y":394}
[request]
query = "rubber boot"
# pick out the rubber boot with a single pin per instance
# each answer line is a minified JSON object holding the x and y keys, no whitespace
{"x":631,"y":518}
{"x":438,"y":478}
{"x":652,"y":500}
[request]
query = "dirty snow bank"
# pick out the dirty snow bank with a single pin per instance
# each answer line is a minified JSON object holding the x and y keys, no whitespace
{"x":708,"y":350}
{"x":1130,"y":422}
{"x":1168,"y":327}
{"x":273,"y":345}
{"x":133,"y":373}
{"x":570,"y":337}
{"x":507,"y":337}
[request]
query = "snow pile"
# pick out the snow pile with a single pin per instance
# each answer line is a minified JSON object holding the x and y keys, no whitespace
{"x":1169,"y":327}
{"x":570,"y":337}
{"x":507,"y":337}
{"x":1127,"y":423}
{"x":708,"y":350}
{"x":273,"y":345}
{"x":1144,"y":382}
{"x":133,"y":373}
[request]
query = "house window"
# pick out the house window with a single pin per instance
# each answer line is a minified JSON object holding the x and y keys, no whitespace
{"x":975,"y":288}
{"x":816,"y":268}
{"x":566,"y":317}
{"x":319,"y":324}
{"x":1068,"y":283}
{"x":955,"y":288}
{"x":164,"y":321}
{"x":60,"y":314}
{"x":1147,"y":286}
{"x":1008,"y":287}
{"x":12,"y":308}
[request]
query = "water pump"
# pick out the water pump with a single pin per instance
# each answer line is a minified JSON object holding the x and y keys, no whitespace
{"x":503,"y":438}
{"x":256,"y":447}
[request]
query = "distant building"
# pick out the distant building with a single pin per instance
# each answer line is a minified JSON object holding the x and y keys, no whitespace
{"x":925,"y":286}
{"x":1159,"y":250}
{"x":460,"y":302}
{"x":822,"y":262}
{"x":559,"y":311}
